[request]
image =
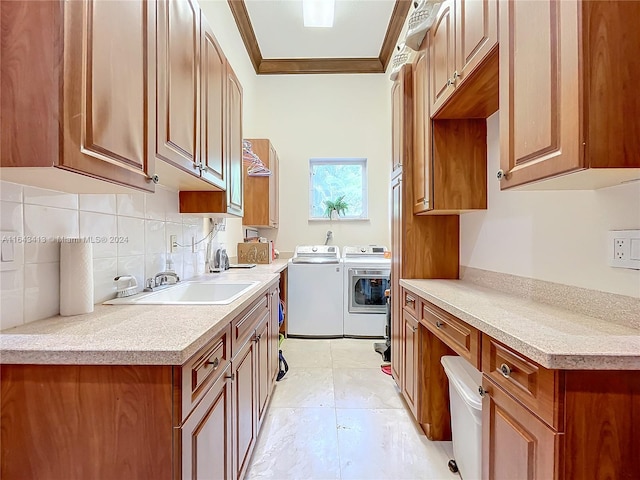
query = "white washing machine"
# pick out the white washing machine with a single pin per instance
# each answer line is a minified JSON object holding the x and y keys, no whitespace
{"x":314,"y":292}
{"x":366,"y":277}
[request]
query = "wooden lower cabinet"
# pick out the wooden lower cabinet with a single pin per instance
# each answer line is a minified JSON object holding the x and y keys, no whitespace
{"x":206,"y":434}
{"x":193,"y":421}
{"x":515,"y":443}
{"x":245,"y":403}
{"x":411,"y":359}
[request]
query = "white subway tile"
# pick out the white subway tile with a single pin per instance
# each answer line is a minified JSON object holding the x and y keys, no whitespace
{"x":101,"y":203}
{"x":130,"y":204}
{"x":154,"y":205}
{"x":104,"y":271}
{"x":102,"y":230}
{"x":153,"y":264}
{"x":44,"y":225}
{"x":41,"y":291}
{"x":10,"y":192}
{"x":176,"y":259}
{"x":50,"y":198}
{"x":11,"y":216}
{"x":155,"y":240}
{"x":133,"y":265}
{"x":172,"y":206}
{"x":132,"y":232}
{"x":12,"y":298}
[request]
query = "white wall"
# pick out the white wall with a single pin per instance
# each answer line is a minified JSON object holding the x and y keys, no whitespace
{"x":557,"y":236}
{"x":308,"y":116}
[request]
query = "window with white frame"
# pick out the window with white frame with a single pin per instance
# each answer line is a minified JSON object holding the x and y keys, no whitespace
{"x":339,"y":182}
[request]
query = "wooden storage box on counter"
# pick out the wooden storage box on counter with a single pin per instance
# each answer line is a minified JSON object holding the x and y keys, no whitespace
{"x":254,"y":252}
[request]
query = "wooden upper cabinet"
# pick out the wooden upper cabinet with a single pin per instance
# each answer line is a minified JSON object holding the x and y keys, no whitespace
{"x":476,"y":35}
{"x":567,"y":93}
{"x":422,"y":156}
{"x":464,"y":39}
{"x":261,"y":192}
{"x":442,"y":53}
{"x":77,"y":96}
{"x":212,"y":93}
{"x":233,"y":147}
{"x":401,"y":114}
{"x":179,"y":84}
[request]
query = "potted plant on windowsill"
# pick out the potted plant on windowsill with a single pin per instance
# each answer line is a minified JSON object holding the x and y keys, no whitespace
{"x":339,"y":206}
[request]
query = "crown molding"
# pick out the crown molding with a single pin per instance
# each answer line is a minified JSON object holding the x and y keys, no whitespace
{"x":318,"y":65}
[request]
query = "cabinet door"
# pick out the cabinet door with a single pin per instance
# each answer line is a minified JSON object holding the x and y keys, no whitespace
{"x":401,"y":116}
{"x":245,"y":421}
{"x":178,"y":84}
{"x":233,"y":150}
{"x":515,"y":443}
{"x":410,"y":384}
{"x":206,"y":435}
{"x":441,"y":57}
{"x":263,"y":372}
{"x":213,"y":84}
{"x":539,"y":90}
{"x":397,"y":329}
{"x":109,"y":91}
{"x":476,"y":34}
{"x":273,"y":187}
{"x":422,"y":158}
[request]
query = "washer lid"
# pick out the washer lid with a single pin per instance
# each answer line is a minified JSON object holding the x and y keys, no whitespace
{"x":316,"y":254}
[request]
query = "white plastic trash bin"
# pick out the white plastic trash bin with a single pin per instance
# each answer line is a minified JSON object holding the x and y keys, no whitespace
{"x":466,"y":415}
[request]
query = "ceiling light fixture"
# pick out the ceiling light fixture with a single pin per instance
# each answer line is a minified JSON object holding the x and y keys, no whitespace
{"x":318,"y":13}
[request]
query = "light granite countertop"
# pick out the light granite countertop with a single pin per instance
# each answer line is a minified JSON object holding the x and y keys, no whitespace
{"x":551,"y":336}
{"x":132,"y":334}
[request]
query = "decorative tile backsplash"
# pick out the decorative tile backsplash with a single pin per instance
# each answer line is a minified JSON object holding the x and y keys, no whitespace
{"x":130,"y":235}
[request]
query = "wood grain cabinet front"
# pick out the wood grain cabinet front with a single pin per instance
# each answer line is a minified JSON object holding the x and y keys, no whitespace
{"x":412,"y":361}
{"x":568,"y":99}
{"x":463,"y":39}
{"x":457,"y":334}
{"x":77,"y":97}
{"x":515,"y":443}
{"x":261,"y":192}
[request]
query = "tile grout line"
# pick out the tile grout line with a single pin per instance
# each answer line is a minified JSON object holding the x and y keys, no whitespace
{"x":335,"y":410}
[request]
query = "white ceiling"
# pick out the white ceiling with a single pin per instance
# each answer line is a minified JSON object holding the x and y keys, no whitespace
{"x":358,"y":32}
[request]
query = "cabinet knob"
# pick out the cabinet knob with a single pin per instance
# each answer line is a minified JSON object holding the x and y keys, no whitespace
{"x":501,"y":175}
{"x":230,"y":377}
{"x":456,"y":76}
{"x":505,"y":370}
{"x":199,"y":166}
{"x":482,"y":392}
{"x":155,"y":179}
{"x":214,"y":363}
{"x":439,"y":324}
{"x":257,"y":339}
{"x":414,"y":329}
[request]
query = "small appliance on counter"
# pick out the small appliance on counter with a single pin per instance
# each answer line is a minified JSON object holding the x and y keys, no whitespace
{"x":220,"y":261}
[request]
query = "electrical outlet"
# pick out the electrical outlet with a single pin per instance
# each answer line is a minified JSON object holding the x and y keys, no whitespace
{"x":173,"y":242}
{"x":624,"y":249}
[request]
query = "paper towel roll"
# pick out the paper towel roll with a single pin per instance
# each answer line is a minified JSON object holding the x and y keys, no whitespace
{"x":76,"y":277}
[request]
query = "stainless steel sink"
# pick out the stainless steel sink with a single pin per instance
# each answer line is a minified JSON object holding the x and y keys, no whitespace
{"x":189,"y":293}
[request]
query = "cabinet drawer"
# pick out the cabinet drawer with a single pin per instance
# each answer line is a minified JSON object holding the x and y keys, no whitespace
{"x":534,"y":386}
{"x":410,"y":302}
{"x":204,"y":368}
{"x":460,"y":336}
{"x":243,"y":326}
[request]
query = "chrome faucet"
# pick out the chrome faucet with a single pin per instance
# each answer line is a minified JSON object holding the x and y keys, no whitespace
{"x":161,"y":280}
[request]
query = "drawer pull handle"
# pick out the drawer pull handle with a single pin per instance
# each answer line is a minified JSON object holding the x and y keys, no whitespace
{"x":410,"y":301}
{"x":439,"y":324}
{"x":505,"y":370}
{"x":214,"y":363}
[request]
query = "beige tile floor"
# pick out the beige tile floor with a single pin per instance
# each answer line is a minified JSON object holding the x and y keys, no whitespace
{"x":335,"y":415}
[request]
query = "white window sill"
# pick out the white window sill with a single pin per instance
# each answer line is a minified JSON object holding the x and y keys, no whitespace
{"x":328,"y":220}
